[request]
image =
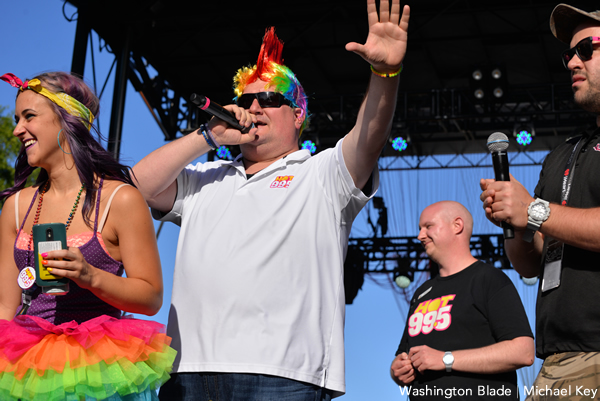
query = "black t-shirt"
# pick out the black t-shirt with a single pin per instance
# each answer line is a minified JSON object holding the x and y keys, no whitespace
{"x":568,"y":317}
{"x":473,"y":308}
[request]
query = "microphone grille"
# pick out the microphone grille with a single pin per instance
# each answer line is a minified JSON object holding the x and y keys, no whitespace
{"x":497,"y":142}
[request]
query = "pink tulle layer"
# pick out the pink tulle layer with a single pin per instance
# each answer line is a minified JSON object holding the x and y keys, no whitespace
{"x":23,"y":332}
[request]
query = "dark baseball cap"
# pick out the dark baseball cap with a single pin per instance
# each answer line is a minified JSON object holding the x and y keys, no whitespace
{"x":566,"y":18}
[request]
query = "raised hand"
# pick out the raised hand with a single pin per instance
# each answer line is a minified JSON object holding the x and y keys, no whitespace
{"x":386,"y":44}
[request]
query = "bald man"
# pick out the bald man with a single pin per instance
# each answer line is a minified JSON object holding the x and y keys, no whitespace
{"x":467,"y":332}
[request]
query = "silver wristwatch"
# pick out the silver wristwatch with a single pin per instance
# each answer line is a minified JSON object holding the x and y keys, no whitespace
{"x":448,"y":360}
{"x":537,"y":213}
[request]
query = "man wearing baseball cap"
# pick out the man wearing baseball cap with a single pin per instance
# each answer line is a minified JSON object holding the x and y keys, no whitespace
{"x":557,"y":231}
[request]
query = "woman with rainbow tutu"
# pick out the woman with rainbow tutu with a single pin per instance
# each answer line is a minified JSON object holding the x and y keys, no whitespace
{"x":78,"y":345}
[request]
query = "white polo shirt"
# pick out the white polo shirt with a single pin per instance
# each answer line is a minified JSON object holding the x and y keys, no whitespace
{"x":258,"y":284}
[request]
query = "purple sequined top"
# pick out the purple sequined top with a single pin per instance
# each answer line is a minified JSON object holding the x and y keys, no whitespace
{"x":78,"y":304}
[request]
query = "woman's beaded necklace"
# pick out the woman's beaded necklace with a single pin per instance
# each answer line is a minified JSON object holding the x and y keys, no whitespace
{"x":36,"y":219}
{"x":27,"y":289}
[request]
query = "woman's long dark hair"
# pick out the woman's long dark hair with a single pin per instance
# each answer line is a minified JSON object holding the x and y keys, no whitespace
{"x":91,"y":159}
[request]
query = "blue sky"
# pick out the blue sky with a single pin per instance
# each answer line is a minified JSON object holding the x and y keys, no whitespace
{"x":37,"y":38}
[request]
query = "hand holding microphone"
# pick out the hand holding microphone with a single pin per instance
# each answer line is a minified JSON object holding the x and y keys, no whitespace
{"x":497,"y":144}
{"x":218,"y":111}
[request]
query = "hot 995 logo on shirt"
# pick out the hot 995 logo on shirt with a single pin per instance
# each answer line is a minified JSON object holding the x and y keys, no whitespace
{"x":433,"y":314}
{"x":282,"y":181}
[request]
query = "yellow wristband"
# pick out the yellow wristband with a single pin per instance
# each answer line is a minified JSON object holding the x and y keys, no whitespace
{"x":384,"y":75}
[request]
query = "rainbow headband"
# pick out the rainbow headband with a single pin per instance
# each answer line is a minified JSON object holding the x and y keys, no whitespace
{"x":73,"y":106}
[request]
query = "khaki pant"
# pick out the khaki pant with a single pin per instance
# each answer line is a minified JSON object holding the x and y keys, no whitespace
{"x":573,"y":376}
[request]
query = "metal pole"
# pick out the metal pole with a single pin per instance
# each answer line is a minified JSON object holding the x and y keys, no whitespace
{"x":118,"y":102}
{"x":81,"y":40}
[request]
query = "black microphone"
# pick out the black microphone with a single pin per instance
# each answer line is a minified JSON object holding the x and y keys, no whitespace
{"x":497,"y":143}
{"x":218,"y":111}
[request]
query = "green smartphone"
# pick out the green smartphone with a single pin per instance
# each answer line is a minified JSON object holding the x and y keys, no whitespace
{"x":49,"y":237}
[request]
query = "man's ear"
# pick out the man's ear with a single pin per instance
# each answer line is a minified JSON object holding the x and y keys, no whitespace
{"x":299,"y":117}
{"x":459,"y":225}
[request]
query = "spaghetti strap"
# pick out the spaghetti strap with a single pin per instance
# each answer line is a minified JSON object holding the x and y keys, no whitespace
{"x":107,"y":208}
{"x":27,"y":214}
{"x":17,"y":209}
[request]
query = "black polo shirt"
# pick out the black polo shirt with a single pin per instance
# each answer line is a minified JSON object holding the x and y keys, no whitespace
{"x":568,"y":317}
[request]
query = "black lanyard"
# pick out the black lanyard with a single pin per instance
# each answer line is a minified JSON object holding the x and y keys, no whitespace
{"x":567,"y":180}
{"x":26,"y":297}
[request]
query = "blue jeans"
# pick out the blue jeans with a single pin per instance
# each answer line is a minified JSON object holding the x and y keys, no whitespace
{"x":238,"y":387}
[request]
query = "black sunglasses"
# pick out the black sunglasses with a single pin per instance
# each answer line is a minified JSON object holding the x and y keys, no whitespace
{"x":265,"y":99}
{"x":584,"y":50}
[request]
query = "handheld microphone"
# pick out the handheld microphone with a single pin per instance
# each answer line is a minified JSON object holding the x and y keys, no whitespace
{"x":497,"y":144}
{"x":218,"y":111}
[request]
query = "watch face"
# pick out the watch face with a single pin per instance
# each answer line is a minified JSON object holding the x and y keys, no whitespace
{"x":448,"y":359}
{"x":538,"y":211}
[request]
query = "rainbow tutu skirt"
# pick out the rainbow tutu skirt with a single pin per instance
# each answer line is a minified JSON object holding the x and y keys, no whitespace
{"x":101,"y":359}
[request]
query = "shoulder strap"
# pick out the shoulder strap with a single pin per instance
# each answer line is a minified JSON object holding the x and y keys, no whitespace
{"x":28,"y":210}
{"x":17,"y":209}
{"x":105,"y":214}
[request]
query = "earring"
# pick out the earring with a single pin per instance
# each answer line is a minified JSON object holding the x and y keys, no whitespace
{"x":58,"y":140}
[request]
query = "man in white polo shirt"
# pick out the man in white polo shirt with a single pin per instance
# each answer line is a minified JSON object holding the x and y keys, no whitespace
{"x":257,"y":310}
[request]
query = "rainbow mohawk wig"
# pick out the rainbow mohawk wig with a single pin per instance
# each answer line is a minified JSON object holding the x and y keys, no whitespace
{"x":270,"y":69}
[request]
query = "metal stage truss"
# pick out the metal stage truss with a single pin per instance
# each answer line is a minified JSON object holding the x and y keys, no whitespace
{"x":404,"y":256}
{"x":433,"y":120}
{"x":162,"y":51}
{"x":390,"y":255}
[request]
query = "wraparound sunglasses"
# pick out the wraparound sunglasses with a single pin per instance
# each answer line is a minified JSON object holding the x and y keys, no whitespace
{"x":265,"y":100}
{"x":584,"y":50}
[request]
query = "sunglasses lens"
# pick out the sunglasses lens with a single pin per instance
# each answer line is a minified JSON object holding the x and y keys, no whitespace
{"x":245,"y":101}
{"x":568,"y":55}
{"x":269,"y":99}
{"x":585,"y":49}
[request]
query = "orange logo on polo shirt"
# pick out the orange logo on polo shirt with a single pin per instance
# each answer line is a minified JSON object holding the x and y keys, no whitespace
{"x":431,"y":314}
{"x":283,"y":181}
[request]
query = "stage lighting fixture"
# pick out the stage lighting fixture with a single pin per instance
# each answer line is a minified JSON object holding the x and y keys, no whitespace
{"x":487,"y":81}
{"x":382,"y":220}
{"x":530,"y":280}
{"x":402,"y":281}
{"x":310,"y":145}
{"x":399,"y":144}
{"x":355,"y":265}
{"x":224,"y":153}
{"x":477,"y":83}
{"x":403,"y":275}
{"x":498,"y":82}
{"x":524,"y":132}
{"x":524,"y":137}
